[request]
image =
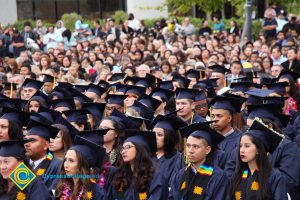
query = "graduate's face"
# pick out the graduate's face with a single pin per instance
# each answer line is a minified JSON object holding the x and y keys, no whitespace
{"x":128,"y":152}
{"x":223,"y":118}
{"x":248,"y":150}
{"x":111,"y":135}
{"x":28,"y":92}
{"x":33,"y":106}
{"x":196,"y":149}
{"x":129,"y":100}
{"x":71,"y":163}
{"x":37,"y":148}
{"x":7,"y":165}
{"x":160,"y":137}
{"x":92,"y":95}
{"x":186,"y":105}
{"x":56,"y":144}
{"x":48,"y":87}
{"x":4,"y":130}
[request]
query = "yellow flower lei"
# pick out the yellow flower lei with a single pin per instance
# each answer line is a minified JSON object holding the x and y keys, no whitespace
{"x":21,"y":196}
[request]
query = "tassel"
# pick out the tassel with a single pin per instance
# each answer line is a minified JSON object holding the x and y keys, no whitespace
{"x":192,"y":118}
{"x":11,"y":90}
{"x":210,"y":115}
{"x":184,"y":151}
{"x":54,"y":83}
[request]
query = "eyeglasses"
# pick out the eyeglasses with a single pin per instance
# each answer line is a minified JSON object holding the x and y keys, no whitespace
{"x":127,"y":147}
{"x":200,"y":106}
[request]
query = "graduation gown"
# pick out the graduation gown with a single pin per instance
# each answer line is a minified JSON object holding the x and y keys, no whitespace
{"x":230,"y":143}
{"x":108,"y":187}
{"x":52,"y":169}
{"x":36,"y":190}
{"x":286,"y":158}
{"x":156,"y":190}
{"x":216,"y":189}
{"x":196,"y":119}
{"x":276,"y":186}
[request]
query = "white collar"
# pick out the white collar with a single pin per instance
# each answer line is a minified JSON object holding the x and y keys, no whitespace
{"x":229,"y":132}
{"x":37,"y":162}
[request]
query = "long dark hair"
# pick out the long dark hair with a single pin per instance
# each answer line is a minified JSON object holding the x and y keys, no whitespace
{"x":143,"y":172}
{"x":83,"y":168}
{"x":15,"y":131}
{"x":65,"y":135}
{"x":170,"y":142}
{"x":12,"y":194}
{"x":264,"y":169}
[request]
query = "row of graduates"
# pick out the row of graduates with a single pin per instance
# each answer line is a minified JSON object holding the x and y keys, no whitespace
{"x":168,"y":160}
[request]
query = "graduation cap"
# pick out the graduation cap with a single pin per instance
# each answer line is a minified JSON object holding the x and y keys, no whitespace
{"x":15,"y":115}
{"x":93,"y":153}
{"x":80,"y":97}
{"x":65,"y":84}
{"x":43,"y":130}
{"x":95,"y":109}
{"x":219,"y":69}
{"x":103,"y":84}
{"x":278,"y":87}
{"x":50,"y":114}
{"x":145,"y":82}
{"x":147,"y":139}
{"x":184,"y":81}
{"x":290,"y":75}
{"x":240,"y":86}
{"x":120,"y":88}
{"x":116,"y":99}
{"x":135,"y":90}
{"x":9,"y":86}
{"x":184,"y":93}
{"x":269,"y":138}
{"x":168,"y":123}
{"x":12,"y":103}
{"x":117,"y":77}
{"x":168,"y":85}
{"x":122,"y":120}
{"x":69,"y":103}
{"x":192,"y":73}
{"x":227,"y":103}
{"x":132,"y":79}
{"x":202,"y":130}
{"x":143,"y":110}
{"x":49,"y":79}
{"x":72,"y":130}
{"x":95,"y":136}
{"x":164,"y":94}
{"x":267,"y":80}
{"x":80,"y":88}
{"x":42,"y":98}
{"x":77,"y":116}
{"x":275,"y":100}
{"x":95,"y":89}
{"x":149,"y":101}
{"x":200,"y":96}
{"x":251,"y":72}
{"x":39,"y":118}
{"x":31,"y":83}
{"x":13,"y":148}
{"x":61,"y":92}
{"x":256,"y":96}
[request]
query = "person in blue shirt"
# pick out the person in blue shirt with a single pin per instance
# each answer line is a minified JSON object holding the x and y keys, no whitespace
{"x":219,"y":26}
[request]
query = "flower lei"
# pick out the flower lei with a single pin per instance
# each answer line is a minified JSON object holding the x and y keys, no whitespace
{"x":67,"y":190}
{"x":21,"y":196}
{"x":102,"y":178}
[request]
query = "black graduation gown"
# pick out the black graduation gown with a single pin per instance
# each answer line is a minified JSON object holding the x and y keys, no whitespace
{"x":100,"y":194}
{"x":108,"y":187}
{"x":36,"y":190}
{"x":286,"y":158}
{"x":53,"y":169}
{"x":216,"y":189}
{"x":230,"y":143}
{"x":156,"y":190}
{"x":196,"y":119}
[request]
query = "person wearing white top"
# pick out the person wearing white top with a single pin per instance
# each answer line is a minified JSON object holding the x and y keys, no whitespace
{"x":133,"y":22}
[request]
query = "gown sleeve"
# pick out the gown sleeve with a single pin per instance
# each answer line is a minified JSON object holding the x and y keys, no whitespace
{"x":218,"y":186}
{"x":278,"y":185}
{"x":37,"y":190}
{"x":100,"y":194}
{"x":158,"y":187}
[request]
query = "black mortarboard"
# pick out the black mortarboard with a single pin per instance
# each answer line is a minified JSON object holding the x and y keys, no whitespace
{"x":12,"y":103}
{"x":143,"y":110}
{"x":168,"y":85}
{"x":267,"y":80}
{"x":122,"y":120}
{"x":116,"y":99}
{"x":147,"y":139}
{"x":192,"y":73}
{"x":200,"y":96}
{"x":149,"y":101}
{"x":103,"y":84}
{"x":50,"y":114}
{"x":184,"y":81}
{"x":10,"y":86}
{"x":240,"y":86}
{"x":15,"y":115}
{"x":93,"y":153}
{"x":256,"y":96}
{"x":60,"y":92}
{"x":43,"y":130}
{"x":117,"y":77}
{"x":120,"y":88}
{"x":135,"y":90}
{"x":13,"y":148}
{"x":65,"y":84}
{"x":227,"y":103}
{"x":212,"y":137}
{"x":278,"y":87}
{"x":69,"y":103}
{"x":219,"y":69}
{"x":184,"y":93}
{"x":95,"y":109}
{"x":164,"y":94}
{"x":79,"y":96}
{"x":269,"y":138}
{"x":169,"y":123}
{"x":31,"y":83}
{"x":48,"y":78}
{"x":275,"y":100}
{"x":250,"y":73}
{"x":72,"y":130}
{"x":290,"y":75}
{"x":80,"y":88}
{"x":39,"y":118}
{"x":208,"y":85}
{"x":95,"y":89}
{"x":42,"y":98}
{"x":77,"y":116}
{"x":132,"y":79}
{"x":95,"y":136}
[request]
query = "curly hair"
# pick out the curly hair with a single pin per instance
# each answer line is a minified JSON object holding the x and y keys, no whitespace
{"x":142,"y":174}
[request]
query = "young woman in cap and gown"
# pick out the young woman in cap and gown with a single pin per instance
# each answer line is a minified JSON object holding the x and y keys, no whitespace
{"x":12,"y":154}
{"x":200,"y":179}
{"x":135,"y":178}
{"x":81,"y":159}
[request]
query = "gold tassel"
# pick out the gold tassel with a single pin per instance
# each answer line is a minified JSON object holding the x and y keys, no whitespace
{"x":192,"y":118}
{"x":210,"y":115}
{"x":11,"y":90}
{"x":225,"y":81}
{"x":184,"y":150}
{"x":54,"y":83}
{"x":200,"y":75}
